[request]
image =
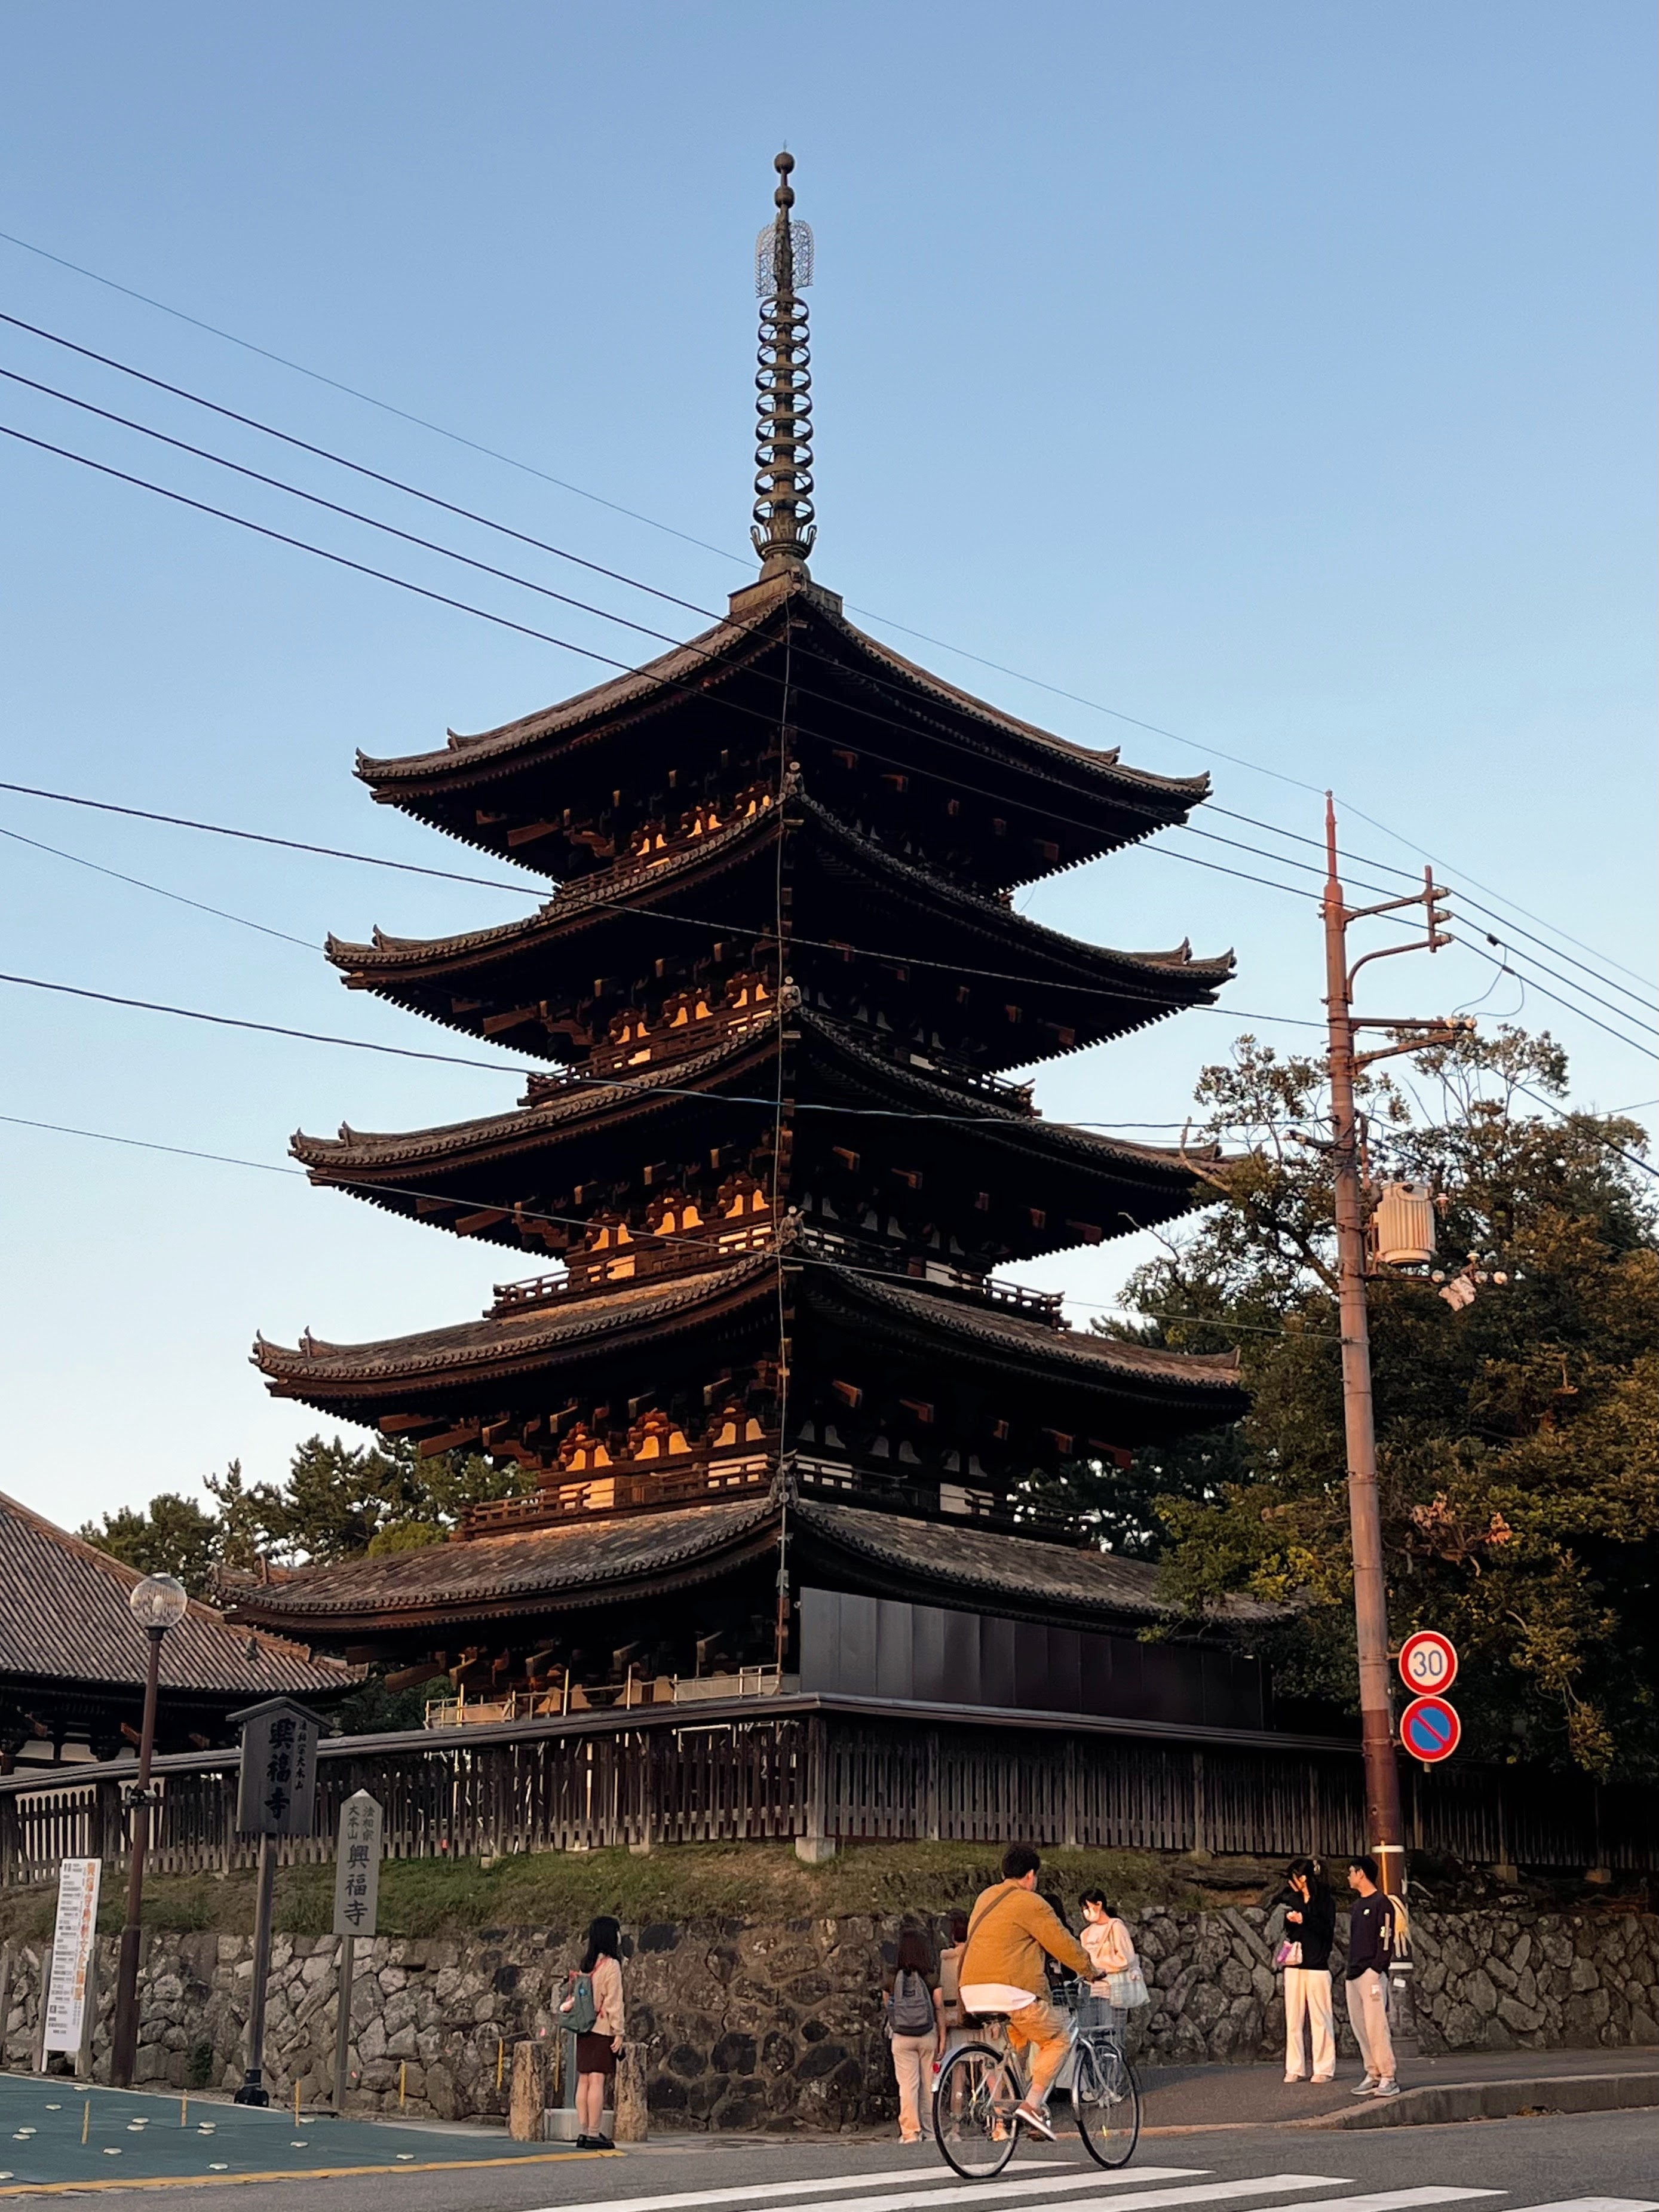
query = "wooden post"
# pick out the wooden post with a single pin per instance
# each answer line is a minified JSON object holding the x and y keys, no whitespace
{"x":1200,"y":1810}
{"x":342,"y":2024}
{"x":88,"y":2016}
{"x":5,"y":1997}
{"x":932,"y":1821}
{"x":816,"y":1845}
{"x":1069,"y":1785}
{"x":525,"y":2119}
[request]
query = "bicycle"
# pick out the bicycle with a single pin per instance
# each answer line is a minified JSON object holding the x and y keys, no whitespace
{"x":976,"y":2104}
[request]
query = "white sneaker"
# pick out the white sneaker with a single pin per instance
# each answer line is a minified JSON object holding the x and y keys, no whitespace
{"x":1296,"y":2077}
{"x":1033,"y":2118}
{"x":1386,"y":2089}
{"x":1367,"y":2088}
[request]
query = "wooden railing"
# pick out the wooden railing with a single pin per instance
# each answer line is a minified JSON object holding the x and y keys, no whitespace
{"x":632,"y":1486}
{"x":645,"y":1256}
{"x":809,"y":1767}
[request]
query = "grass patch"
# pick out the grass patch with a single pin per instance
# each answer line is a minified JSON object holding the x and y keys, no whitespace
{"x":563,"y":1890}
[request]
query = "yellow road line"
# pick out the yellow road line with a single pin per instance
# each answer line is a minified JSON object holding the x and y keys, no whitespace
{"x":295,"y":2173}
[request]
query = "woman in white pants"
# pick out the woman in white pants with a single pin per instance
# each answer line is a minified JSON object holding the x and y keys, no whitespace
{"x":1306,"y":1911}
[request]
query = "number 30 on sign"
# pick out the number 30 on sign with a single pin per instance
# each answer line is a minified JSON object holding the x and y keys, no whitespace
{"x":1428,"y":1663}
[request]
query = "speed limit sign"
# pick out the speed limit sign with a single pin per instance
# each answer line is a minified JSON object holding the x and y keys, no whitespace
{"x":1428,"y":1663}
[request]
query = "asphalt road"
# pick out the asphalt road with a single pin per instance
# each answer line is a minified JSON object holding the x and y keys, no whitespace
{"x":1594,"y":2162}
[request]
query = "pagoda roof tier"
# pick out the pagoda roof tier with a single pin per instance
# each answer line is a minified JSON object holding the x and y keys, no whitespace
{"x":1072,"y":1186}
{"x":898,"y":742}
{"x":891,"y":1555}
{"x":1127,"y":1394}
{"x":918,"y":934}
{"x":575,"y":1564}
{"x":530,"y":1574}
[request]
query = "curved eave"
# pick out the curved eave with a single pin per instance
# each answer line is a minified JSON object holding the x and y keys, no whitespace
{"x":1168,"y":980}
{"x":729,"y":648}
{"x":506,"y":1136}
{"x":494,"y":1351}
{"x":985,"y":1334}
{"x":514,"y":1575}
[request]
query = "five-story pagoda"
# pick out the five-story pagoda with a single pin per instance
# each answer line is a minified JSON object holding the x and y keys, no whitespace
{"x":776,"y":1156}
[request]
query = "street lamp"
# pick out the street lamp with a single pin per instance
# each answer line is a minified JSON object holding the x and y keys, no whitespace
{"x":156,"y":1604}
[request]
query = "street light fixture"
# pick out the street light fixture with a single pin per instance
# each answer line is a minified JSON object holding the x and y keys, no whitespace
{"x":156,"y":1604}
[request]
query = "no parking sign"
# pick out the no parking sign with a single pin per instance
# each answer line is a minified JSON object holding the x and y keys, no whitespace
{"x":1430,"y":1729}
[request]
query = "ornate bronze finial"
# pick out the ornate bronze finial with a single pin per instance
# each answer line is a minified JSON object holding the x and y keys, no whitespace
{"x":784,"y":521}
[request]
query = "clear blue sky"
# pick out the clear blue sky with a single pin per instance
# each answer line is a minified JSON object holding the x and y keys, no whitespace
{"x":1278,"y":374}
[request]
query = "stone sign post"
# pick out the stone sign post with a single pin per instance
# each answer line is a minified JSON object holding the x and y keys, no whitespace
{"x":356,"y":1907}
{"x":276,"y":1796}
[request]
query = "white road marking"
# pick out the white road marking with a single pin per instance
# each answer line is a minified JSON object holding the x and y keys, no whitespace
{"x":1596,"y":2204}
{"x":772,"y":2192}
{"x":1223,"y":2192}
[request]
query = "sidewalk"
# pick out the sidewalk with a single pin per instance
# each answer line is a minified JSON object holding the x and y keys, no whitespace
{"x":1180,"y":2099}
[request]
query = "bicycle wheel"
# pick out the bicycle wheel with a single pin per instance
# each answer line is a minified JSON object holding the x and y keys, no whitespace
{"x":973,"y":2106}
{"x":1106,"y":2100}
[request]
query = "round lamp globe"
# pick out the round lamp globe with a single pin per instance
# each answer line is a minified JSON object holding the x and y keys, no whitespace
{"x":158,"y":1602}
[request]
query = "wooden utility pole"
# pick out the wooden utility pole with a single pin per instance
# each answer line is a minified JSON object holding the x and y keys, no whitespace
{"x":1384,"y":1828}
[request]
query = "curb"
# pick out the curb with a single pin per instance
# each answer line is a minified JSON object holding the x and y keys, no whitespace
{"x":1496,"y":2100}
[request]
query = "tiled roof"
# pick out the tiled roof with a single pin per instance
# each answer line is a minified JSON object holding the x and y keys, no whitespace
{"x":589,"y":1559}
{"x":64,"y":1617}
{"x":733,"y":643}
{"x":503,"y":1345}
{"x":932,"y":1557}
{"x":1167,"y":978}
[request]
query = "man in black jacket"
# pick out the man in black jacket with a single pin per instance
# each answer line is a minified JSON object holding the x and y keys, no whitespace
{"x":1370,"y":1948}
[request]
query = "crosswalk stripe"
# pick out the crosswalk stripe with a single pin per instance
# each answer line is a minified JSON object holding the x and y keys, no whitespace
{"x":772,"y":2192}
{"x":1387,"y":2200}
{"x":1227,"y":2192}
{"x":1596,"y":2204}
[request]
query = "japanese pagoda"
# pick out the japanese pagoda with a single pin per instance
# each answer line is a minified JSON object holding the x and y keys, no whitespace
{"x":761,"y":1191}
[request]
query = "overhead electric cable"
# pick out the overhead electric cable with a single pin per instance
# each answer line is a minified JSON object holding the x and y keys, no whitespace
{"x":686,"y":536}
{"x":562,"y":553}
{"x":1647,"y":1051}
{"x":160,"y":892}
{"x":573,"y":1081}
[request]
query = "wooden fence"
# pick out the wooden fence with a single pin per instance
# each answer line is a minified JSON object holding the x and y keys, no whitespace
{"x":810,"y":1770}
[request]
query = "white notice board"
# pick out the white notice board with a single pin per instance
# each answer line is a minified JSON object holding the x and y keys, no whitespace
{"x":71,"y":1953}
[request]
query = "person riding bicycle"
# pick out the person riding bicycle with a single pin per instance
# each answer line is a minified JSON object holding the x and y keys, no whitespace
{"x":1011,"y":1931}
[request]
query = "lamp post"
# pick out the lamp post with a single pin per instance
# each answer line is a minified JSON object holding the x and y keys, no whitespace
{"x":157,"y":1604}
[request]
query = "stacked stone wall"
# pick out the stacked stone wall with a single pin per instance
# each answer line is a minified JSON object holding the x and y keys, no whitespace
{"x":749,"y":2024}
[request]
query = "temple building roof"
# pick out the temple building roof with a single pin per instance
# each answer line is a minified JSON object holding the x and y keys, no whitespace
{"x":583,"y":1563}
{"x":589,"y":1561}
{"x":1090,"y":1185}
{"x":845,"y":686}
{"x":1070,"y":992}
{"x":65,"y":1620}
{"x":507,"y":1351}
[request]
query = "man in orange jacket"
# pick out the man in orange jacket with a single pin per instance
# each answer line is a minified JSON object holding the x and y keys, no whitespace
{"x":1011,"y":1931}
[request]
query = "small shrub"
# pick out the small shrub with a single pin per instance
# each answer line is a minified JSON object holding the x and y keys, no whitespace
{"x":198,"y":2065}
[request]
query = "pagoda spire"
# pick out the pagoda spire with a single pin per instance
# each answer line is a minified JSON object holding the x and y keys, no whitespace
{"x":785,"y":527}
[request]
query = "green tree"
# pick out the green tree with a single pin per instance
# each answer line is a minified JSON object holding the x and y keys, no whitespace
{"x":341,"y":1500}
{"x":1518,"y":1439}
{"x":172,"y":1536}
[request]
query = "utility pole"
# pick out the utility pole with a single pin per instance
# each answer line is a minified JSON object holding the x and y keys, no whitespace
{"x":1384,"y":1829}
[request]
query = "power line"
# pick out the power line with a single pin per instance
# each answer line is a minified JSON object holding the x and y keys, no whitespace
{"x":138,"y":884}
{"x":575,"y":1221}
{"x":488,"y":569}
{"x":651,"y":522}
{"x":1635,"y":1044}
{"x":499,"y":1067}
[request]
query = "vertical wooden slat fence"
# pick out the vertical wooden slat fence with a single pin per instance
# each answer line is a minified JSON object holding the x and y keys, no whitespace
{"x":816,"y":1773}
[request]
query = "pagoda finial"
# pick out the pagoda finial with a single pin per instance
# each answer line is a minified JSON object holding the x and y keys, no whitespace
{"x":784,"y":527}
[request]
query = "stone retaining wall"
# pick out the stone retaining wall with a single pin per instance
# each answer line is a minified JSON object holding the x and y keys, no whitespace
{"x":751,"y":2025}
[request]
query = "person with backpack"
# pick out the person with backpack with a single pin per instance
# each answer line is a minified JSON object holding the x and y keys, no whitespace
{"x":593,"y":2013}
{"x":1012,"y":1933}
{"x":1301,"y":1922}
{"x":915,"y":2028}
